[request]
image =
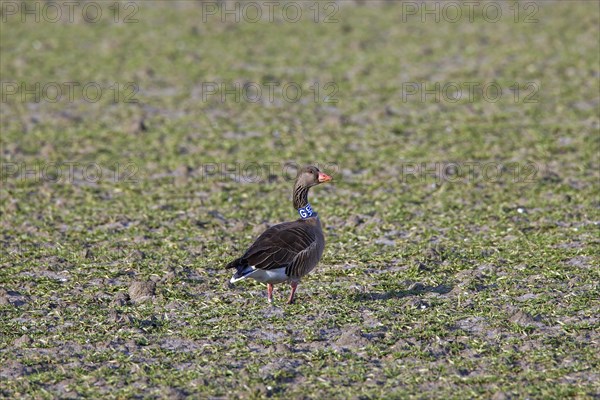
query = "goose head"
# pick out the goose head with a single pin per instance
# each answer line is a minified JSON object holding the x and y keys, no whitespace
{"x":310,"y":176}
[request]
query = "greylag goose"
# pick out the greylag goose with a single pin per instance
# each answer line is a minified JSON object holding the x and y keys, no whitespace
{"x":288,"y":251}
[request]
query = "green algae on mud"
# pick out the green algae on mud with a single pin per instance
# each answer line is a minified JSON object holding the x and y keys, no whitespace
{"x":462,"y":236}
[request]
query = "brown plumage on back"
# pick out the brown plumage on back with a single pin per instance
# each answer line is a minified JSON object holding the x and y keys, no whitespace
{"x":288,"y":251}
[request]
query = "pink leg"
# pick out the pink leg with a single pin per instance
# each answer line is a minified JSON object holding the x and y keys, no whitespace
{"x":294,"y":285}
{"x":270,"y":292}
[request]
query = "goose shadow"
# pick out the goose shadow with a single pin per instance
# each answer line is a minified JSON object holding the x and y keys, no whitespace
{"x":416,"y":289}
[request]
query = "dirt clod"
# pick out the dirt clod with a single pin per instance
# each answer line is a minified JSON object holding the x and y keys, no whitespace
{"x":351,"y":339}
{"x":23,"y":341}
{"x":120,"y":300}
{"x":522,"y":318}
{"x":141,"y":291}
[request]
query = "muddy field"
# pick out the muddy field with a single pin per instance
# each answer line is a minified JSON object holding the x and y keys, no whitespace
{"x":145,"y":146}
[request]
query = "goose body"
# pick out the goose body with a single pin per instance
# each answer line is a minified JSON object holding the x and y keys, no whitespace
{"x":288,"y":251}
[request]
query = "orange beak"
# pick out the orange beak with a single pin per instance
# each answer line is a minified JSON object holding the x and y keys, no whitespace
{"x":324,"y":177}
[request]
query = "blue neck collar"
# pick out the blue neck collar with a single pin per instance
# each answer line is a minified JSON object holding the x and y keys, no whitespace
{"x":307,"y":212}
